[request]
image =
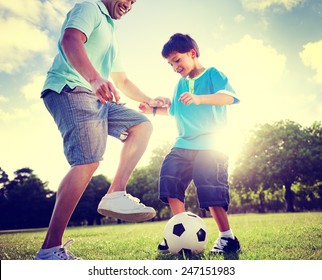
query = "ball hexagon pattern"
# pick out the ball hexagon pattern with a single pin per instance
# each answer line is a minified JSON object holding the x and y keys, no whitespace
{"x":186,"y":232}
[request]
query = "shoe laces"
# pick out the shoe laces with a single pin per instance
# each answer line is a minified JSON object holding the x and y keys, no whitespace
{"x":220,"y":243}
{"x":64,"y":254}
{"x":132,"y":198}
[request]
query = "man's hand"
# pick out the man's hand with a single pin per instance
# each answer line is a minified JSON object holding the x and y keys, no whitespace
{"x":160,"y":102}
{"x":105,"y":91}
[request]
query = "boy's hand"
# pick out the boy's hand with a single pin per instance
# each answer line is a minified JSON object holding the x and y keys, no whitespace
{"x":145,"y":108}
{"x":188,"y":98}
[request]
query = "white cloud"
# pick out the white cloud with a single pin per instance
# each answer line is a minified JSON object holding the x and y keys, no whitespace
{"x":260,"y":5}
{"x":31,"y":91}
{"x":26,"y":29}
{"x":20,"y":40}
{"x":255,"y":70}
{"x":3,"y":99}
{"x":53,"y":13}
{"x":312,"y":57}
{"x":239,"y":18}
{"x":15,"y":114}
{"x":250,"y":62}
{"x":26,"y":9}
{"x":48,"y":13}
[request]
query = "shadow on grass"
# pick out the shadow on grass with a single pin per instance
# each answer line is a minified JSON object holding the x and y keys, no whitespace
{"x":231,"y":256}
{"x":10,"y":231}
{"x":202,"y":256}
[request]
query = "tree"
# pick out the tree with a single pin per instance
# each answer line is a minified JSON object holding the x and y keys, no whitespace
{"x":86,"y":210}
{"x":26,"y":203}
{"x":4,"y":179}
{"x":144,"y":182}
{"x":278,"y":156}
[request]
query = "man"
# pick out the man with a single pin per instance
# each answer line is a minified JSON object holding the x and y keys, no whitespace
{"x":85,"y":106}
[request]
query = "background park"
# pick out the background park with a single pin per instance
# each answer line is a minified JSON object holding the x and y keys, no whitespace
{"x":271,"y":52}
{"x":279,"y":171}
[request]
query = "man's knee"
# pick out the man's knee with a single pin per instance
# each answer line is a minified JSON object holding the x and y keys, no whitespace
{"x":143,"y":129}
{"x":88,"y":167}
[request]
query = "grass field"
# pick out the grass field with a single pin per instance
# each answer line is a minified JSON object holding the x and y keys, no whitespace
{"x":292,"y":236}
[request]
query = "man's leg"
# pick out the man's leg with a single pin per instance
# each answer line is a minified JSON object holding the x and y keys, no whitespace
{"x":133,"y":149}
{"x":117,"y":203}
{"x":69,"y":193}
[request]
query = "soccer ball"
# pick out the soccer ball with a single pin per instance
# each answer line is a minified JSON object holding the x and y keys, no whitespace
{"x":186,"y":233}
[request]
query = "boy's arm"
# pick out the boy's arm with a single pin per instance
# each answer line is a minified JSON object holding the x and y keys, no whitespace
{"x":218,"y":99}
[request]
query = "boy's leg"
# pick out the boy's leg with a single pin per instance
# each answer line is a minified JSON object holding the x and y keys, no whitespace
{"x":68,"y":195}
{"x":176,"y":205}
{"x":220,"y":216}
{"x":226,"y":242}
{"x":211,"y":180}
{"x":175,"y":176}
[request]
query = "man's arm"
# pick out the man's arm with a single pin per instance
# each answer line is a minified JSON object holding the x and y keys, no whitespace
{"x":125,"y":85}
{"x":122,"y":82}
{"x":146,"y":109}
{"x":72,"y":43}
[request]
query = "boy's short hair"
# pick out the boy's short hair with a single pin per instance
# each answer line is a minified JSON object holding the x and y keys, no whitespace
{"x":180,"y":43}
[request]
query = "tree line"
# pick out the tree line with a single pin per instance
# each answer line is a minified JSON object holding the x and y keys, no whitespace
{"x":279,"y":169}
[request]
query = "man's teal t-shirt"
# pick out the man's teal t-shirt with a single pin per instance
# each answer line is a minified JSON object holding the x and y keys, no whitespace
{"x":199,"y":125}
{"x":101,"y":46}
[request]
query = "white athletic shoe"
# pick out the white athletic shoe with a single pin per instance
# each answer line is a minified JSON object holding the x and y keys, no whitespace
{"x":123,"y":206}
{"x":57,"y":253}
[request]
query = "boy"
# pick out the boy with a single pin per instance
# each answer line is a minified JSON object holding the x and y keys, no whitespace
{"x":199,"y":107}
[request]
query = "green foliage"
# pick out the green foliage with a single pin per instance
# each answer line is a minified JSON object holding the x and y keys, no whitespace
{"x":86,"y":210}
{"x":25,"y":201}
{"x":279,"y":168}
{"x":284,"y":236}
{"x":144,"y":182}
{"x":276,"y":157}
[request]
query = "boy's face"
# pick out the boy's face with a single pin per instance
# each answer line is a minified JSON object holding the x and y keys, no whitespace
{"x":182,"y":63}
{"x":118,"y":8}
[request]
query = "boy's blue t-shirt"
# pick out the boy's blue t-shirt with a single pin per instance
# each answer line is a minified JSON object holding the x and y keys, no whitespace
{"x":199,"y":125}
{"x":101,"y":46}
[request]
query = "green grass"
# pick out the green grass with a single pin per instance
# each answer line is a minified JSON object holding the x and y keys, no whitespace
{"x":294,"y":236}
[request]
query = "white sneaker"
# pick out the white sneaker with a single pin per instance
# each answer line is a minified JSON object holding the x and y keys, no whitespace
{"x":57,"y":253}
{"x":123,"y":206}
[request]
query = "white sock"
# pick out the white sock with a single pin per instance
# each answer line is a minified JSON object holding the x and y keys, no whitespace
{"x":48,"y":250}
{"x":227,"y":233}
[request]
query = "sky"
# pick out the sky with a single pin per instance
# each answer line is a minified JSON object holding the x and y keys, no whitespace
{"x":271,"y":51}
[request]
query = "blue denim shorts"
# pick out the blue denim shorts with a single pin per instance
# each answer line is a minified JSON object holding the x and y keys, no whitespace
{"x":84,"y":122}
{"x":207,"y":169}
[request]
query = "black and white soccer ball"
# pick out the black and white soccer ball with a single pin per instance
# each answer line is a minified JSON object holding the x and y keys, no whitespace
{"x":186,"y":233}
